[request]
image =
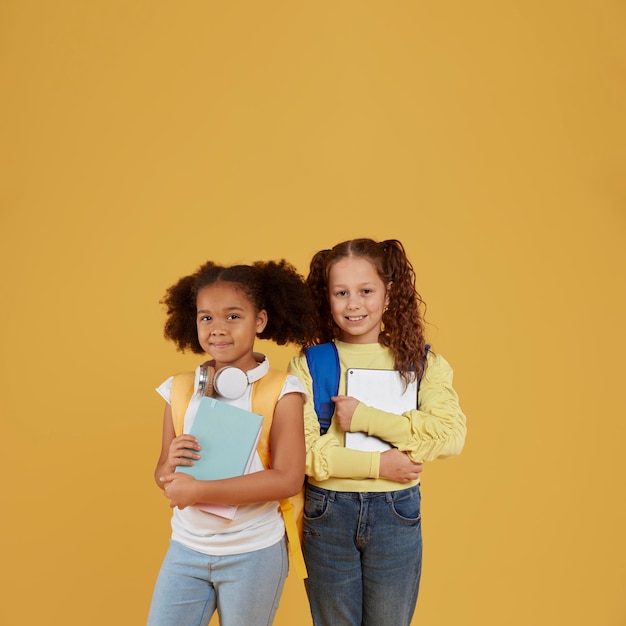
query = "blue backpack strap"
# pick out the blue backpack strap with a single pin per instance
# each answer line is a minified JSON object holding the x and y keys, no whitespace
{"x":323,"y":362}
{"x":419,"y":380}
{"x":426,"y":349}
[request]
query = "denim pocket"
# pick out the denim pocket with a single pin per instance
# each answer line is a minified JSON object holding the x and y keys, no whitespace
{"x":315,"y":505}
{"x":406,"y":504}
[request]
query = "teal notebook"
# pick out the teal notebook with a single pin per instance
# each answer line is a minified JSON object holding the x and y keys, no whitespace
{"x":228,"y":436}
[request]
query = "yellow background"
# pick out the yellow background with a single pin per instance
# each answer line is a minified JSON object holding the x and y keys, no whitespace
{"x":140,"y":139}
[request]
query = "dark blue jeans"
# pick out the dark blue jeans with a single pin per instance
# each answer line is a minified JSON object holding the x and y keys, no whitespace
{"x":363,"y":552}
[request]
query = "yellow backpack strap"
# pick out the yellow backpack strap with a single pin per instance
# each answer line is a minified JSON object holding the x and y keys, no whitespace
{"x":265,"y":394}
{"x":182,"y":390}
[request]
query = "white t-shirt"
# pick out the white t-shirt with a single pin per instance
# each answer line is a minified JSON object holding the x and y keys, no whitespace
{"x":255,"y":526}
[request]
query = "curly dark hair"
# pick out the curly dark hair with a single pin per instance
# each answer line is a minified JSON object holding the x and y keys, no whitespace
{"x":275,"y":286}
{"x":403,"y":320}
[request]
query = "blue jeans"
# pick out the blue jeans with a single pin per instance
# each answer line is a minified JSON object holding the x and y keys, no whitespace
{"x":363,"y":552}
{"x":245,"y":588}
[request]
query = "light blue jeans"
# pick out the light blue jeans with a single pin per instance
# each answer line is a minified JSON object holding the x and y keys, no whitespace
{"x":244,"y":588}
{"x":363,"y":552}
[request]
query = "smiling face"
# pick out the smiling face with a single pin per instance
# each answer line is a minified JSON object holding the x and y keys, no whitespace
{"x":358,"y":296}
{"x":228,"y":325}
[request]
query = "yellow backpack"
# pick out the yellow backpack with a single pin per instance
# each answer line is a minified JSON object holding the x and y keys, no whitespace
{"x":265,"y":394}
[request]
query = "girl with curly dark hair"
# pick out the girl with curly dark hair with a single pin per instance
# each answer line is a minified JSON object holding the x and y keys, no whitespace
{"x":235,"y":564}
{"x":362,"y":518}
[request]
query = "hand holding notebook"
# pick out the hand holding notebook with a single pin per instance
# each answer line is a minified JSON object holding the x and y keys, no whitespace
{"x":229,"y":437}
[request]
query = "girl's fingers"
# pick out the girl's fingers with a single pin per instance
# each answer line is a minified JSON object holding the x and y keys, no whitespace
{"x":181,"y":443}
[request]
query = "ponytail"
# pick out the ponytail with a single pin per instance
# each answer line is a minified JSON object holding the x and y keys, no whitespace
{"x":317,"y":283}
{"x":285,"y":297}
{"x":403,"y":326}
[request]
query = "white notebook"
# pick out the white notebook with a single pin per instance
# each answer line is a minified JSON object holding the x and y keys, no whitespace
{"x":381,"y":389}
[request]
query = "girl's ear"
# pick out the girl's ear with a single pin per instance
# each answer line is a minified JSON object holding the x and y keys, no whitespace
{"x":261,"y":321}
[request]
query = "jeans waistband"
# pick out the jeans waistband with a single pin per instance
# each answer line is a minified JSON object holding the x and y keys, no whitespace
{"x":360,"y":495}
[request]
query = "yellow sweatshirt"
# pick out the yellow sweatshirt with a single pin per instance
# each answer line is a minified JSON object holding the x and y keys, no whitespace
{"x":436,"y":430}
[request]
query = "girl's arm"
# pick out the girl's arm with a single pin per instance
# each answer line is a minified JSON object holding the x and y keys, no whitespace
{"x":326,"y":456}
{"x":436,"y":430}
{"x":285,"y":478}
{"x":174,"y":450}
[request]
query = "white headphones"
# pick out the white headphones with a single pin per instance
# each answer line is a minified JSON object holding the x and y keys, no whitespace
{"x":230,"y":382}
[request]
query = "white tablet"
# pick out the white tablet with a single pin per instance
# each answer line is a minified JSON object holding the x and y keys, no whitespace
{"x":381,"y":389}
